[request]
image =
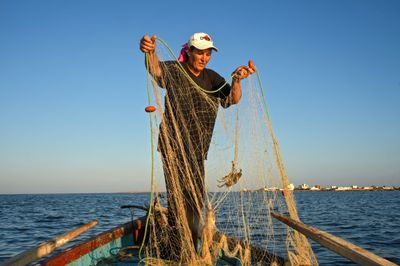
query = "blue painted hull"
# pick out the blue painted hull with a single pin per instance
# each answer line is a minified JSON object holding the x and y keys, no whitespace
{"x":121,"y":246}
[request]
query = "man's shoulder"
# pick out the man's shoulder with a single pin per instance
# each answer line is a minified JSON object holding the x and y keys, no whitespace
{"x":212,"y":75}
{"x":169,"y":62}
{"x":169,"y":66}
{"x":210,"y":71}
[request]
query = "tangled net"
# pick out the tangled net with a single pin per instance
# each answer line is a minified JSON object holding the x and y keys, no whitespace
{"x":243,"y":160}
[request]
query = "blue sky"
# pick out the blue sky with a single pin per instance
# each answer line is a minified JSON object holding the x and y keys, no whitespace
{"x":73,"y":87}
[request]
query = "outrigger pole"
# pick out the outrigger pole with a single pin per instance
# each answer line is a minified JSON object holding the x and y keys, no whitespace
{"x":336,"y":244}
{"x":47,"y":247}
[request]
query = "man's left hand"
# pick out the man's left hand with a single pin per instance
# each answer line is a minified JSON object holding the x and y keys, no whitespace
{"x":243,"y":72}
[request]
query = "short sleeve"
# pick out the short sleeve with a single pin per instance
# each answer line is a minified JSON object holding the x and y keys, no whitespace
{"x":224,"y":89}
{"x":166,"y":67}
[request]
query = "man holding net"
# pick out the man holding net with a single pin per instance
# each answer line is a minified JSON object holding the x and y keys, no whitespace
{"x":193,"y":96}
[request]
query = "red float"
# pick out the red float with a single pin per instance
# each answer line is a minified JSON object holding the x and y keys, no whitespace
{"x":252,"y":66}
{"x":150,"y":109}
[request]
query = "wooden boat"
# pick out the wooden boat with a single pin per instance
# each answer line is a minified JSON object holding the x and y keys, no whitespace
{"x":125,"y":241}
{"x":122,"y":246}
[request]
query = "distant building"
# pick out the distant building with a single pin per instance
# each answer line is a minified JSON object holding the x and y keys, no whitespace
{"x":315,"y":188}
{"x":343,"y":188}
{"x":290,"y":187}
{"x":304,"y":186}
{"x":271,"y":189}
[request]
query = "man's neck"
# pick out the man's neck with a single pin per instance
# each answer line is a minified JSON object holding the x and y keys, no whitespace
{"x":193,"y":71}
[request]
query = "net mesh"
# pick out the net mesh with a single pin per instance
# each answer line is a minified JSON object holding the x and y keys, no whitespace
{"x":219,"y":198}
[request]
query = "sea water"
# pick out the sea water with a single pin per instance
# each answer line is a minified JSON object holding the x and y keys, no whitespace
{"x":370,"y":219}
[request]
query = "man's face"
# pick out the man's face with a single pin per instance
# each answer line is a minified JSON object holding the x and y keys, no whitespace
{"x":198,"y":59}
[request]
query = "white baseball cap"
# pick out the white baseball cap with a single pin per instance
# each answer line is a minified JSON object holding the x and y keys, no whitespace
{"x":201,"y":41}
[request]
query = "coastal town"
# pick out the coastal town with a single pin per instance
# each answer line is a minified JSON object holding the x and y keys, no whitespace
{"x":306,"y":187}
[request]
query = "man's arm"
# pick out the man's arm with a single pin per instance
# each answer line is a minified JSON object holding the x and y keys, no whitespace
{"x":236,"y":91}
{"x":148,"y":46}
{"x":240,"y":73}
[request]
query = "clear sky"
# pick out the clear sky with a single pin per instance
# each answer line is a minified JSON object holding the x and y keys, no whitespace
{"x":73,"y":86}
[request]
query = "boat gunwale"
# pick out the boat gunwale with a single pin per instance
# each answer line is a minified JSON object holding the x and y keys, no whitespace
{"x":86,"y":246}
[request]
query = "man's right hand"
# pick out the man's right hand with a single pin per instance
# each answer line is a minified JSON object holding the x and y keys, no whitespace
{"x":148,"y":44}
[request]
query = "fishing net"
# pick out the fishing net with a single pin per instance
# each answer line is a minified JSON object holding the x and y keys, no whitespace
{"x":223,"y":179}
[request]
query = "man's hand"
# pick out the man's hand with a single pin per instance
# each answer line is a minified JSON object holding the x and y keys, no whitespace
{"x":148,"y":44}
{"x":243,"y":72}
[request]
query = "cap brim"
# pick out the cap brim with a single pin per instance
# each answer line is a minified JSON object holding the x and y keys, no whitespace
{"x":206,"y":47}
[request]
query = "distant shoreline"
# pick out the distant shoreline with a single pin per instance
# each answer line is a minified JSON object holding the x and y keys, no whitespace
{"x":345,"y":190}
{"x":255,"y":190}
{"x":325,"y":189}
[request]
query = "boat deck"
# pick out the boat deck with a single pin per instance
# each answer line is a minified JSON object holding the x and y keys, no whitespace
{"x":118,"y":246}
{"x":123,"y":251}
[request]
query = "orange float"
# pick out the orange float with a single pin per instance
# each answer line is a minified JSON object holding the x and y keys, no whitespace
{"x":150,"y":109}
{"x":252,"y":66}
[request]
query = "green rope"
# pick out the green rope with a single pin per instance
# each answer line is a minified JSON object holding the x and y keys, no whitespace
{"x":263,"y":96}
{"x":152,"y":161}
{"x":269,"y":123}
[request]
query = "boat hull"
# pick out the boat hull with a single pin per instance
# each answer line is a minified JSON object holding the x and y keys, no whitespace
{"x":97,"y":248}
{"x":105,"y":249}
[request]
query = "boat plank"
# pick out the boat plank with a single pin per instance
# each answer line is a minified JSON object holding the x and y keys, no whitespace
{"x":47,"y":247}
{"x":336,"y":244}
{"x":77,"y":251}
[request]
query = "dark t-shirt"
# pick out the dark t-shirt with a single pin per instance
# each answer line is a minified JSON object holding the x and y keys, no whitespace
{"x":190,"y":113}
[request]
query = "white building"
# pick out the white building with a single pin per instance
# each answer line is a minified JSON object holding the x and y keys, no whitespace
{"x":271,"y":189}
{"x":290,"y":187}
{"x":343,"y":188}
{"x":304,"y":186}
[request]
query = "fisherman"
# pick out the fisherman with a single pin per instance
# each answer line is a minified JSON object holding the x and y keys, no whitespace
{"x":193,"y":95}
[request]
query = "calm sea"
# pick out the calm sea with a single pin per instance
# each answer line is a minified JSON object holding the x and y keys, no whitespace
{"x":368,"y":219}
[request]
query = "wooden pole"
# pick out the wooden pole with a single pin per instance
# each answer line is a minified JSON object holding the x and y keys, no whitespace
{"x":334,"y":243}
{"x":47,"y":247}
